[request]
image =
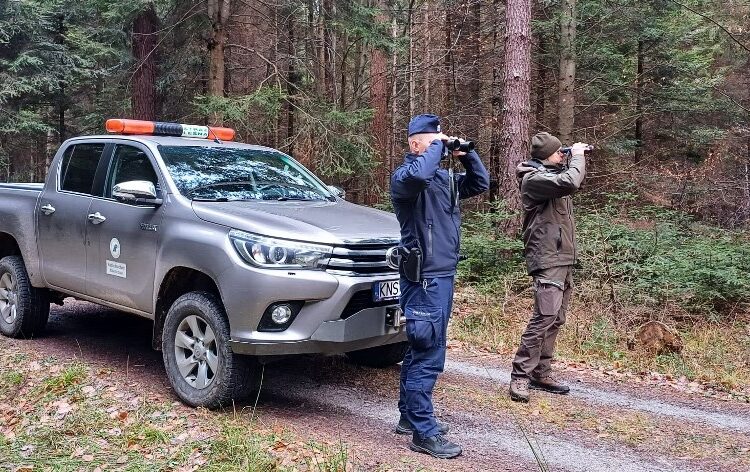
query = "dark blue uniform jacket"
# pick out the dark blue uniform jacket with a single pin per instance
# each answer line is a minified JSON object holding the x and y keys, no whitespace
{"x":429,"y":219}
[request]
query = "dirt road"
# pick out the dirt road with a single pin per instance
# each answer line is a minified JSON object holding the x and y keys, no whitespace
{"x":601,"y":426}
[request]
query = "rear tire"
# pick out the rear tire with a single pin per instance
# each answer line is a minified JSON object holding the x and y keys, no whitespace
{"x":203,"y":370}
{"x":380,"y":356}
{"x":24,"y":309}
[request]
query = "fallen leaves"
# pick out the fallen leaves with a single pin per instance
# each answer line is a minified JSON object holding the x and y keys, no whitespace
{"x":27,"y":450}
{"x":63,"y":408}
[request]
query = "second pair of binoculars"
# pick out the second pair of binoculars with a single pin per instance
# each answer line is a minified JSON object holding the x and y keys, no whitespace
{"x":457,"y":144}
{"x":569,"y":149}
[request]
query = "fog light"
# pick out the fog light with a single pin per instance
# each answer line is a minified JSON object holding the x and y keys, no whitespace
{"x":281,"y":314}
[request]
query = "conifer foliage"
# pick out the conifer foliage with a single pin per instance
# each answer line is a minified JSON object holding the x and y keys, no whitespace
{"x":655,"y":84}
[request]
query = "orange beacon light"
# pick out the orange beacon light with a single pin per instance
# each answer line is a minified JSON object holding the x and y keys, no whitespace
{"x":157,"y":128}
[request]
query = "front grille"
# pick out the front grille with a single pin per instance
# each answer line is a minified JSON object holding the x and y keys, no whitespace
{"x":361,"y":300}
{"x":360,"y":260}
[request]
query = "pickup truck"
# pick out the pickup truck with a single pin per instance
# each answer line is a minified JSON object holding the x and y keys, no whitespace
{"x":237,"y":253}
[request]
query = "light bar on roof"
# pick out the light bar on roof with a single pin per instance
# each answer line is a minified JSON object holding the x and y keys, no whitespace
{"x":157,"y":128}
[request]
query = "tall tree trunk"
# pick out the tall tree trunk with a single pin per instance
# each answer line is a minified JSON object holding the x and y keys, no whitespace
{"x":144,"y":41}
{"x":469,"y":81}
{"x":427,"y":56}
{"x":496,"y":105}
{"x":541,"y":86}
{"x":747,"y":142}
{"x":639,"y":105}
{"x":50,"y":148}
{"x":566,"y":94}
{"x":412,"y":72}
{"x":395,"y":135}
{"x":61,"y":99}
{"x":329,"y":53}
{"x":379,"y":101}
{"x":292,"y":84}
{"x":311,"y":49}
{"x":516,"y":93}
{"x":359,"y":60}
{"x":449,"y":97}
{"x":343,"y":71}
{"x":218,"y":14}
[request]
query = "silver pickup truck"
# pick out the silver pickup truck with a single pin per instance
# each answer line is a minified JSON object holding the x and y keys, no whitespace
{"x":236,"y":252}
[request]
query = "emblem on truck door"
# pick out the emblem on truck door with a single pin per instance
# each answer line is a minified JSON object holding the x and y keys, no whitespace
{"x":149,"y":227}
{"x":114,"y":247}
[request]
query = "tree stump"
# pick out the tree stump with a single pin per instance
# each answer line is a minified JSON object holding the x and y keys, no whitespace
{"x":655,"y":337}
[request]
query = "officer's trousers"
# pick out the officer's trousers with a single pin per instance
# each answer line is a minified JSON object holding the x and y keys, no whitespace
{"x":552,"y":290}
{"x":427,"y":307}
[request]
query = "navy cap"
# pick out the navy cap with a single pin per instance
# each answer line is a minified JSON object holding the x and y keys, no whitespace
{"x":424,"y":124}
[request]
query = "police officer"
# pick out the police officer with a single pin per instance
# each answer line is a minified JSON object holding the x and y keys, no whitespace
{"x":550,"y":249}
{"x":425,"y":199}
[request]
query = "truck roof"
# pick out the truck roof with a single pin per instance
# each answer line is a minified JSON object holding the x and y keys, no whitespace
{"x":174,"y":141}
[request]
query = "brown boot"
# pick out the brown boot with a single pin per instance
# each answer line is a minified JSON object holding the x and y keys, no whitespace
{"x":519,"y":390}
{"x":548,"y":384}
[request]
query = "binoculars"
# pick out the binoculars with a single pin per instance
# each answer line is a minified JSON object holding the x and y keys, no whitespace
{"x":569,"y":149}
{"x":457,"y":144}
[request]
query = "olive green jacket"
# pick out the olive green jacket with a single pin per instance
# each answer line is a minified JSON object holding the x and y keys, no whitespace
{"x":548,"y":224}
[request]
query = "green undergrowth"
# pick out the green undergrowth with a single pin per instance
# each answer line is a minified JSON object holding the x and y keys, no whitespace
{"x":637,"y":263}
{"x":629,"y":255}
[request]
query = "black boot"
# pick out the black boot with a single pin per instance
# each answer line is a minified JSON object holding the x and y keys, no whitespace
{"x":436,"y":446}
{"x":404,"y":427}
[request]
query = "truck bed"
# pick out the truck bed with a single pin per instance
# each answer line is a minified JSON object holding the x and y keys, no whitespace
{"x":23,"y":186}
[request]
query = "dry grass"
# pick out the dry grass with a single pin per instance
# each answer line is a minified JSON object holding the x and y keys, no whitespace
{"x":717,"y":353}
{"x":64,"y":415}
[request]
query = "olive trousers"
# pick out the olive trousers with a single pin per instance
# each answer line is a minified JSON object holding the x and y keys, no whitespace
{"x":552,"y":290}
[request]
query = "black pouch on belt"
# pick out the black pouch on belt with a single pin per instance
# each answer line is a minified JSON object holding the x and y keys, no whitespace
{"x":411,"y":264}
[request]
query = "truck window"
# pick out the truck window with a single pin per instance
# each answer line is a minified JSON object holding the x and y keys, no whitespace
{"x":129,"y":163}
{"x":79,"y":166}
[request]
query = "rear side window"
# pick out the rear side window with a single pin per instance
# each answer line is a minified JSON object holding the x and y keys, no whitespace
{"x":79,"y":166}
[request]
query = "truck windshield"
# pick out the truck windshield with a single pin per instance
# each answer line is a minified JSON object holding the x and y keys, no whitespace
{"x":215,"y":173}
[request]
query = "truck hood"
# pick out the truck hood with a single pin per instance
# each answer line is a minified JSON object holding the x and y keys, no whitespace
{"x":338,"y":222}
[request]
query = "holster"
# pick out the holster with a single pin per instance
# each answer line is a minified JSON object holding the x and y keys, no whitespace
{"x":408,"y":261}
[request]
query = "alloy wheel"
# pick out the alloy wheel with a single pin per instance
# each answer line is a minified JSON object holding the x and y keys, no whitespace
{"x":8,"y":298}
{"x":196,"y":352}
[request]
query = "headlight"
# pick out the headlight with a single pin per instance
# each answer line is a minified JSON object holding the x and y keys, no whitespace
{"x":270,"y":253}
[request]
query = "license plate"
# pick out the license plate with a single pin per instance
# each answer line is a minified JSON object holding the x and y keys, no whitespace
{"x":388,"y":290}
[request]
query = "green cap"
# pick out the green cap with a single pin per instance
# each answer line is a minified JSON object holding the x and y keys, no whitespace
{"x":544,"y":145}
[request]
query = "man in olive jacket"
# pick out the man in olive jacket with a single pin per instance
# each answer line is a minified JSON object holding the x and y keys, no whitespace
{"x":550,"y":249}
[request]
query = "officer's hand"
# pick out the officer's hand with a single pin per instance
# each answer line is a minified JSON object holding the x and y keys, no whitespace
{"x":440,"y":136}
{"x":578,"y":149}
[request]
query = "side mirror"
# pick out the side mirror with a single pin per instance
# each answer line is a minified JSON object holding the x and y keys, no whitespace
{"x":337,"y":191}
{"x":137,"y":192}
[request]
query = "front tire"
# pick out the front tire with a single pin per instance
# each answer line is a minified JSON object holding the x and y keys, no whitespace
{"x":200,"y":364}
{"x":380,"y":356}
{"x":24,"y":309}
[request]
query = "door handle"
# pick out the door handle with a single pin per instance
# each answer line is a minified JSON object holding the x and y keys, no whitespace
{"x":48,"y":209}
{"x":96,"y":218}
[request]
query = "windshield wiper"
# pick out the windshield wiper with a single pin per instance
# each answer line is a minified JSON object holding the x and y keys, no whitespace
{"x":298,"y":199}
{"x":206,"y":199}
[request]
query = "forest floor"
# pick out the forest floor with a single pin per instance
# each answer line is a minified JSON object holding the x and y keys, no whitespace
{"x":92,"y":395}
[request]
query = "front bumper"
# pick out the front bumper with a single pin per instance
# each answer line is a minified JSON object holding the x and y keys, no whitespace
{"x":327,"y":322}
{"x":366,"y":328}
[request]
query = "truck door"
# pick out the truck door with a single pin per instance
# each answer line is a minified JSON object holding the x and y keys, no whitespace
{"x":124,"y":236}
{"x":61,"y":216}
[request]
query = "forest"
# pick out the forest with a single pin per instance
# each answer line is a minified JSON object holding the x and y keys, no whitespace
{"x":661,"y":88}
{"x":656,"y":341}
